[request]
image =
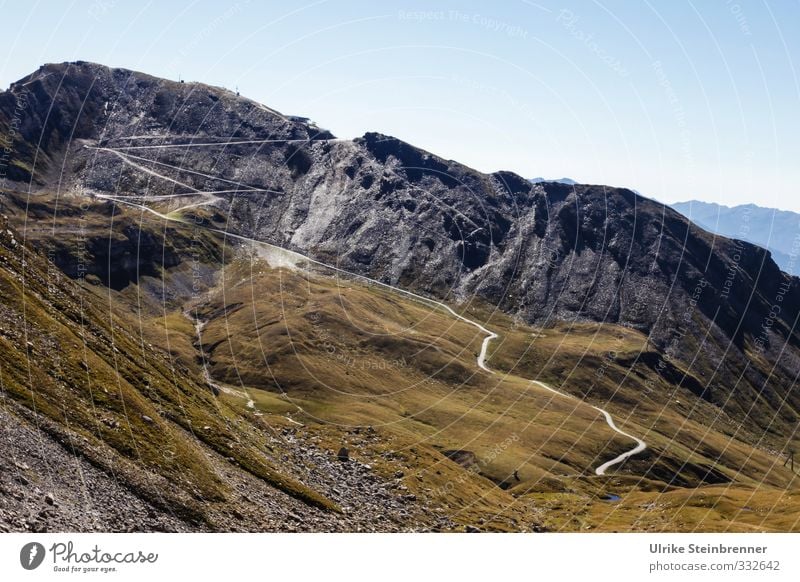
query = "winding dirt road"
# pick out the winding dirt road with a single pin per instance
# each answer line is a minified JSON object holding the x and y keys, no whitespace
{"x":489,"y":335}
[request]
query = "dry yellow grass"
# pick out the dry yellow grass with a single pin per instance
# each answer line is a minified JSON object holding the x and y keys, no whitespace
{"x":335,"y":353}
{"x":342,"y":354}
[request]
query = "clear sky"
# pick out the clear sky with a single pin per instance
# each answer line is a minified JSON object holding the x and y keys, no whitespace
{"x":676,"y":99}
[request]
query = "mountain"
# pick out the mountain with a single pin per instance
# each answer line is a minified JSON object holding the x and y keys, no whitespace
{"x":567,"y":181}
{"x":776,"y":230}
{"x":287,"y":290}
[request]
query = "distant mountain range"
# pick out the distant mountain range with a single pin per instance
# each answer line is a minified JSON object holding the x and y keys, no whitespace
{"x":775,"y":230}
{"x":539,"y":180}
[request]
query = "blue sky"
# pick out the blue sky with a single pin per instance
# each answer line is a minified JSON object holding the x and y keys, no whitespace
{"x":677,"y":99}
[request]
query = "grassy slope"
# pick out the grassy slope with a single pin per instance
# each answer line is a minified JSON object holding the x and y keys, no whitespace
{"x":104,"y":392}
{"x":336,"y":354}
{"x":329,"y":350}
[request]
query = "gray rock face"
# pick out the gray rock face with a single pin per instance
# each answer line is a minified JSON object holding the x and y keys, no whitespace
{"x":380,"y":207}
